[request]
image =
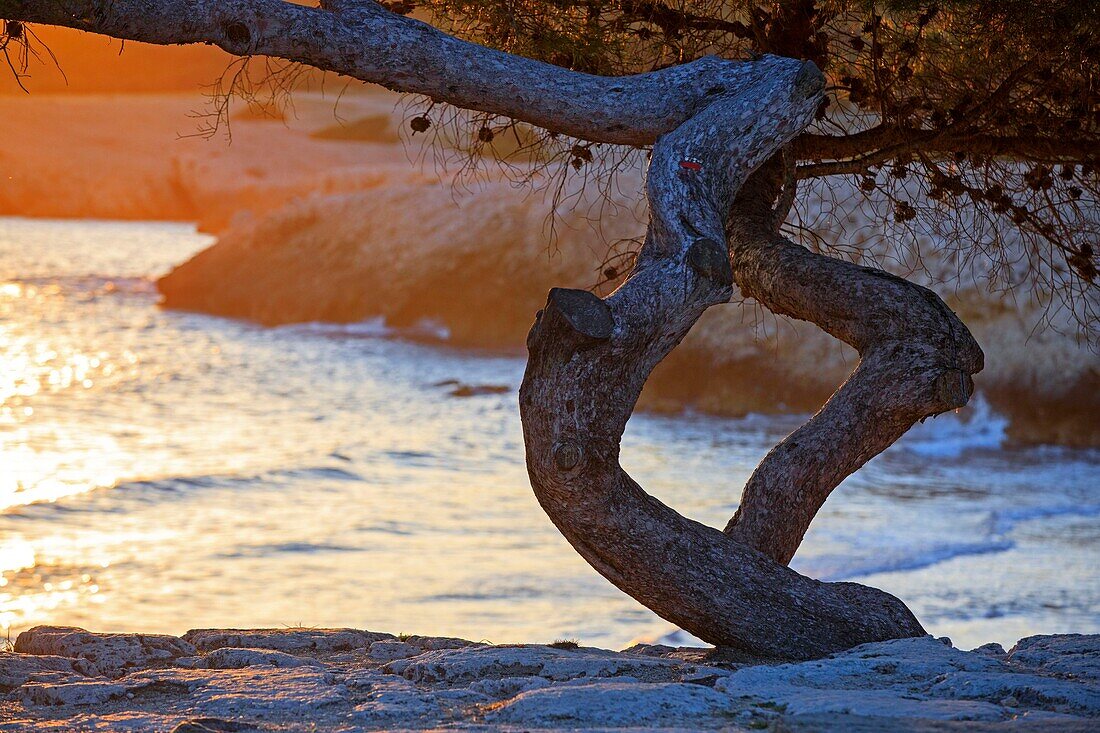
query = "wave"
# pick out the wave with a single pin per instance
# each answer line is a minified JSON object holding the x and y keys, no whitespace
{"x":374,"y":327}
{"x":892,"y":560}
{"x":1004,"y":521}
{"x":950,"y":435}
{"x":282,"y":548}
{"x":88,"y":285}
{"x":998,"y":529}
{"x":119,"y":497}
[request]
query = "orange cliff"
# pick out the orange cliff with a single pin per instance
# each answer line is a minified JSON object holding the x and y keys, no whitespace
{"x":117,"y":136}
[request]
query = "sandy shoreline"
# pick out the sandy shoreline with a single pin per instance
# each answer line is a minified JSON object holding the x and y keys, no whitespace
{"x":63,"y":678}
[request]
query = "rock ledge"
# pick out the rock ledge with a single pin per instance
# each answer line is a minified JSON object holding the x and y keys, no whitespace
{"x":229,"y":680}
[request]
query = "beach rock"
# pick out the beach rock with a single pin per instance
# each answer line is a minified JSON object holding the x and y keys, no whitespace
{"x":477,"y":390}
{"x":388,"y":651}
{"x":250,"y":693}
{"x":18,"y":669}
{"x":909,"y":684}
{"x":452,"y":666}
{"x":1016,"y":689}
{"x":70,"y":720}
{"x":1071,"y":655}
{"x":109,"y":655}
{"x":992,"y":649}
{"x":79,"y":694}
{"x":360,"y":255}
{"x":396,"y":699}
{"x":238,"y":658}
{"x":613,"y":704}
{"x":843,"y":723}
{"x":918,"y":677}
{"x":506,"y":687}
{"x":433,"y":643}
{"x":290,"y":641}
{"x":212,"y":725}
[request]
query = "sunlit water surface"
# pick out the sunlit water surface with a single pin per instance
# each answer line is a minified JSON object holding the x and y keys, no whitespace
{"x":162,"y":471}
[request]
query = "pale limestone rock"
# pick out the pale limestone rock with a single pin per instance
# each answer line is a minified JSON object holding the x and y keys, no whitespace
{"x":473,"y":663}
{"x":251,"y":692}
{"x":507,"y":687}
{"x":291,"y":641}
{"x":992,"y":649}
{"x":613,"y":704}
{"x":433,"y":643}
{"x":109,"y":655}
{"x":389,"y":699}
{"x":238,"y":658}
{"x":1071,"y":655}
{"x":18,"y":669}
{"x":910,"y":678}
{"x":388,"y":651}
{"x":67,"y":721}
{"x":912,"y":685}
{"x":82,"y":693}
{"x":1021,"y":689}
{"x":212,"y":725}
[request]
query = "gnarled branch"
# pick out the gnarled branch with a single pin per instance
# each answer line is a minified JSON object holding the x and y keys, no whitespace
{"x":590,"y":358}
{"x":365,"y":41}
{"x":916,"y":360}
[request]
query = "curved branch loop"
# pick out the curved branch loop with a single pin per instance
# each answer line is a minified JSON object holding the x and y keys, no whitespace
{"x":916,"y":360}
{"x":589,"y":359}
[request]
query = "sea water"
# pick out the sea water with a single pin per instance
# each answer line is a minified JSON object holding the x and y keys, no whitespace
{"x":161,"y":471}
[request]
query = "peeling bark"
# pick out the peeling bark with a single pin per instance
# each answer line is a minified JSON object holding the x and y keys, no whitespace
{"x":714,"y":123}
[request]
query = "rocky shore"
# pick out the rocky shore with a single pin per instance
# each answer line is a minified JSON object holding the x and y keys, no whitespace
{"x":68,"y":679}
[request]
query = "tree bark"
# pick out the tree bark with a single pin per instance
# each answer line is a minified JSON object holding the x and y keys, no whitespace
{"x":713,"y":123}
{"x":916,"y":360}
{"x":361,"y":39}
{"x":589,"y":359}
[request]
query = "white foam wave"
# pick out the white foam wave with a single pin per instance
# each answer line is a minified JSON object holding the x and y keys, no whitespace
{"x":1003,"y":521}
{"x":975,"y":427}
{"x":375,"y":327}
{"x":894,"y":559}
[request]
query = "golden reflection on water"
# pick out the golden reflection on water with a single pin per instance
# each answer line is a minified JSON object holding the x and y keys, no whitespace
{"x":31,"y":588}
{"x":45,"y":462}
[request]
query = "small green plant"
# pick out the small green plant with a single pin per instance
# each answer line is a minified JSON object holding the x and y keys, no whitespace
{"x":565,"y":644}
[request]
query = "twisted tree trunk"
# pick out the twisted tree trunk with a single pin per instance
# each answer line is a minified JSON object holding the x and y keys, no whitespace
{"x":590,"y":358}
{"x":714,"y":123}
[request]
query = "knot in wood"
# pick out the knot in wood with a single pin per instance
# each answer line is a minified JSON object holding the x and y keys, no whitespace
{"x":710,"y":260}
{"x":953,"y":388}
{"x":809,"y":82}
{"x":237,"y":34}
{"x":567,"y":455}
{"x":585,"y":313}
